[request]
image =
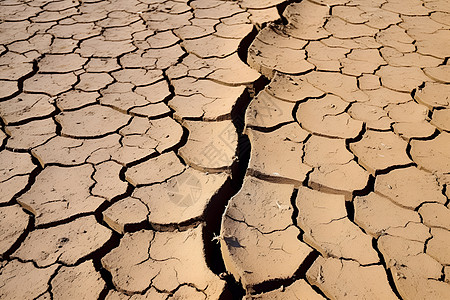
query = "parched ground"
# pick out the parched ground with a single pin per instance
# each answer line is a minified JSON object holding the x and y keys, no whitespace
{"x":212,"y":149}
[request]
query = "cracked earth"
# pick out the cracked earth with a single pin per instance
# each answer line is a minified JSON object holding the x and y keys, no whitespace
{"x":213,"y":149}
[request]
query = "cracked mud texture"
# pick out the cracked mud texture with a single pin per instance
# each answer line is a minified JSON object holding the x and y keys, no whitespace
{"x":250,"y":149}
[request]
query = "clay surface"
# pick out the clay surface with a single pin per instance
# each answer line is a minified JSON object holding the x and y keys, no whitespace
{"x":218,"y":149}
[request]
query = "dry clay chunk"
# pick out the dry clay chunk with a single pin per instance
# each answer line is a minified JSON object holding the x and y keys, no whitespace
{"x":342,"y":279}
{"x":55,"y":197}
{"x":323,"y":218}
{"x":66,"y":243}
{"x":155,"y":170}
{"x":278,"y":155}
{"x":91,"y":121}
{"x":380,"y":150}
{"x":163,"y":260}
{"x":300,"y":289}
{"x":13,"y":222}
{"x":326,"y":116}
{"x":433,"y":155}
{"x":211,"y":146}
{"x":376,"y":214}
{"x":23,"y":280}
{"x":258,"y":241}
{"x":409,"y":187}
{"x":266,"y":111}
{"x":182,"y":198}
{"x":82,"y":282}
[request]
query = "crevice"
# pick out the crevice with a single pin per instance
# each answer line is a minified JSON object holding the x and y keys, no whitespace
{"x":272,"y":285}
{"x":21,"y":80}
{"x":388,"y":270}
{"x":369,"y":188}
{"x":20,"y":239}
{"x":396,"y":167}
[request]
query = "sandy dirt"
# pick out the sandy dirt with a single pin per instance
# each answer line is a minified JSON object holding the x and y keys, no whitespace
{"x":213,"y":149}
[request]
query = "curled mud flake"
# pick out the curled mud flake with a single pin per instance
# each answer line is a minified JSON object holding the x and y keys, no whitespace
{"x":150,"y":110}
{"x":217,"y":142}
{"x":128,"y":211}
{"x":410,"y":130}
{"x":80,"y":281}
{"x":409,"y":187}
{"x":257,"y":237}
{"x":91,"y":121}
{"x":155,"y":170}
{"x":24,"y":280}
{"x":31,"y":134}
{"x":323,"y":218}
{"x":13,"y":222}
{"x":432,"y":155}
{"x":435,"y":215}
{"x":376,"y":214}
{"x":54,"y":197}
{"x":25,"y":107}
{"x":147,"y":259}
{"x":380,"y":150}
{"x":342,"y":279}
{"x":261,"y":17}
{"x":182,"y":198}
{"x":277,"y":156}
{"x":67,"y":243}
{"x":298,"y":290}
{"x":266,"y":111}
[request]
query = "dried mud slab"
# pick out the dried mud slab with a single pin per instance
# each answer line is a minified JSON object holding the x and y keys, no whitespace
{"x":13,"y":222}
{"x":217,"y":142}
{"x":30,"y":135}
{"x":380,"y":150}
{"x":323,"y":218}
{"x":22,"y":280}
{"x":298,"y":290}
{"x":128,"y":211}
{"x":341,"y":279}
{"x":432,"y":155}
{"x":155,"y":170}
{"x":182,"y":198}
{"x":266,"y":111}
{"x":376,"y":214}
{"x":26,"y":106}
{"x":67,"y":243}
{"x":435,"y":215}
{"x":257,"y":236}
{"x":54,"y":197}
{"x":80,"y":281}
{"x":292,"y":88}
{"x":147,"y":259}
{"x":277,"y":156}
{"x":327,"y":116}
{"x":409,"y":187}
{"x":91,"y":121}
